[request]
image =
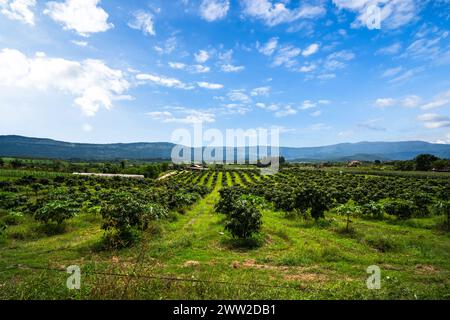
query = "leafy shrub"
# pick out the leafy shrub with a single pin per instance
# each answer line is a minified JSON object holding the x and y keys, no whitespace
{"x":125,"y":215}
{"x":11,"y":201}
{"x":443,"y":208}
{"x":402,"y":209}
{"x":12,"y":218}
{"x":313,"y":198}
{"x":228,"y":197}
{"x":372,"y":210}
{"x":421,"y":201}
{"x":244,"y":220}
{"x":56,"y":211}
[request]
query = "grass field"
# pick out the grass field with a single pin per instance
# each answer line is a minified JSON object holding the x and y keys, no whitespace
{"x":191,"y":257}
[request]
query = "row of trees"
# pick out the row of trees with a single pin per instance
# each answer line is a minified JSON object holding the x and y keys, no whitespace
{"x":423,"y":162}
{"x":127,"y":206}
{"x":149,"y":170}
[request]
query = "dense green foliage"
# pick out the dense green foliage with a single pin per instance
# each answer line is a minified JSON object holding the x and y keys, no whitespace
{"x":396,"y":221}
{"x":243,"y":218}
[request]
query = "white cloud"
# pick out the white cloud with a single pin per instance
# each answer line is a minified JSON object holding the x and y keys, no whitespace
{"x":177,"y":65}
{"x":269,"y":107}
{"x":261,"y":91}
{"x":231,"y":68}
{"x":168,"y":47}
{"x":390,"y":50}
{"x":342,"y":55}
{"x":211,"y":86}
{"x":285,"y":111}
{"x":198,"y":68}
{"x":82,"y":16}
{"x":239,"y":96}
{"x":21,"y":10}
{"x":326,"y":76}
{"x":235,"y":108}
{"x":286,"y":56}
{"x":143,"y":21}
{"x":406,"y":75}
{"x":391,"y":72}
{"x":186,"y":116}
{"x":445,"y":140}
{"x":385,"y":102}
{"x":92,"y":82}
{"x":316,"y":113}
{"x":338,"y":60}
{"x":202,"y":56}
{"x":80,"y":43}
{"x":441,"y":100}
{"x":277,"y":13}
{"x":269,"y":48}
{"x":212,"y":10}
{"x":411,"y":101}
{"x":394,"y":13}
{"x":163,"y":81}
{"x":429,"y":48}
{"x":308,"y":104}
{"x":371,"y":125}
{"x":307,"y":68}
{"x":312,"y":49}
{"x":434,"y":121}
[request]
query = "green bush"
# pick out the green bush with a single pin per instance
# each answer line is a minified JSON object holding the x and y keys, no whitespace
{"x":402,"y":209}
{"x":56,"y":211}
{"x":228,"y":197}
{"x":244,"y":220}
{"x":443,"y":208}
{"x":125,"y":215}
{"x":12,"y":218}
{"x":372,"y":210}
{"x":313,"y":198}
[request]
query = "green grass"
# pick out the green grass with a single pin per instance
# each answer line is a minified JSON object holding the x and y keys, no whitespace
{"x":298,"y":259}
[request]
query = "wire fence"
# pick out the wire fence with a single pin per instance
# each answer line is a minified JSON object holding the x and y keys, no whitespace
{"x":155,"y":277}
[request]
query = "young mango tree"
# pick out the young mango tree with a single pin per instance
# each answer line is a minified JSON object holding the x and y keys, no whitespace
{"x":348,"y":210}
{"x":125,"y":215}
{"x":313,"y":198}
{"x":443,"y":208}
{"x":402,"y":209}
{"x":244,"y":220}
{"x":56,"y":211}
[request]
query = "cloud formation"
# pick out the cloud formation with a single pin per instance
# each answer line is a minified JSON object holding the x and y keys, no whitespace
{"x":82,"y":16}
{"x":20,"y":10}
{"x":92,"y":82}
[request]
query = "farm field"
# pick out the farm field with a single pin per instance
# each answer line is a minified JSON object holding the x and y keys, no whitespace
{"x":315,"y":234}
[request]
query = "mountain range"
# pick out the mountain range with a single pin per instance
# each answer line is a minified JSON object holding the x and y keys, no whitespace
{"x":19,"y":146}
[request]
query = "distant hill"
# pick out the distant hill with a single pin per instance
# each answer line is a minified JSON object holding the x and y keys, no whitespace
{"x":18,"y":146}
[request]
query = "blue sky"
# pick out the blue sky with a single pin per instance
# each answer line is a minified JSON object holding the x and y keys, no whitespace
{"x":321,"y":70}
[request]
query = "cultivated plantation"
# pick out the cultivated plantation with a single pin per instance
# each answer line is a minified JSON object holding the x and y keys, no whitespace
{"x":225,"y":233}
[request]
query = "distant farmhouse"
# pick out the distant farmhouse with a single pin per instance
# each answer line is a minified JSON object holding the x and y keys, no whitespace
{"x":353,"y":164}
{"x":198,"y":167}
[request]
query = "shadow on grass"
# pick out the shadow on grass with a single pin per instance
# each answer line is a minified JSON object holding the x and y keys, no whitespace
{"x":256,"y":241}
{"x":51,"y":229}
